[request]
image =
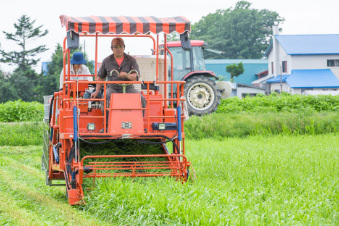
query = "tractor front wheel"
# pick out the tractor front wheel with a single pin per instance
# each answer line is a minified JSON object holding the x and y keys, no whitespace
{"x":202,"y":95}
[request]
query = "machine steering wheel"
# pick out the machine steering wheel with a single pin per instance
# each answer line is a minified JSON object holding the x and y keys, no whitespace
{"x":124,"y":84}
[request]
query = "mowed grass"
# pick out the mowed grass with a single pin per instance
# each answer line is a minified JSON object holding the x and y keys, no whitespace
{"x":24,"y":198}
{"x":288,"y":180}
{"x":21,"y":134}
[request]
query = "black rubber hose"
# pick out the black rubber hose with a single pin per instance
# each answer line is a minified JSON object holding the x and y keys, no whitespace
{"x":50,"y":110}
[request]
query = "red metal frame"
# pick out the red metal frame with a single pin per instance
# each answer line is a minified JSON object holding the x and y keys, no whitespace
{"x":157,"y":110}
{"x":178,"y":43}
{"x":207,"y":73}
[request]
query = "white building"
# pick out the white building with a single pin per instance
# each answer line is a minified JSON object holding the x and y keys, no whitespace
{"x":242,"y":90}
{"x":303,"y":64}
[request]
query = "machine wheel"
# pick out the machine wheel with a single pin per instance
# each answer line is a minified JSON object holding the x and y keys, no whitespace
{"x":202,"y":95}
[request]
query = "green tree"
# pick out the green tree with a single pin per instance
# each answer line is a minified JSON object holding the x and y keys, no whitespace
{"x":175,"y":36}
{"x":7,"y":93}
{"x":242,"y":32}
{"x":235,"y":70}
{"x":55,"y":66}
{"x":23,"y":84}
{"x":24,"y":80}
{"x":24,"y":34}
{"x":46,"y":85}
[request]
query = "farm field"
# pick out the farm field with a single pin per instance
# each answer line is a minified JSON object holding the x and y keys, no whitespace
{"x":280,"y":179}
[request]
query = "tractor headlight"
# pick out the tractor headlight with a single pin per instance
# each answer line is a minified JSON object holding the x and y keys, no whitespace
{"x":162,"y":126}
{"x":90,"y":126}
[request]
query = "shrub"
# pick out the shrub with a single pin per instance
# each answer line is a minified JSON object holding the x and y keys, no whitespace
{"x":19,"y":111}
{"x":221,"y":125}
{"x":279,"y":103}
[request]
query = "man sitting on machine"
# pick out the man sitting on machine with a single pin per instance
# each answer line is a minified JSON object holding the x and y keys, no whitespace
{"x":122,"y":63}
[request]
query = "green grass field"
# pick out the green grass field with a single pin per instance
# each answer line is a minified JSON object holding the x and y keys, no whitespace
{"x":256,"y":180}
{"x":216,"y":126}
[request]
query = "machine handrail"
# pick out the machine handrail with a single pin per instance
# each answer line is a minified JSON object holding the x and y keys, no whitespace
{"x":179,"y":98}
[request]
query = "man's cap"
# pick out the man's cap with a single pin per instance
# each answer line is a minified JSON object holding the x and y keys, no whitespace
{"x":119,"y":40}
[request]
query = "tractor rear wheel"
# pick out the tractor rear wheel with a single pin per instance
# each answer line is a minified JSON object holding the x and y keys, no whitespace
{"x":202,"y":95}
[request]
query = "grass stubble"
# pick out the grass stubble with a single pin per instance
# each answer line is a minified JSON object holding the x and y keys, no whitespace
{"x":254,"y":180}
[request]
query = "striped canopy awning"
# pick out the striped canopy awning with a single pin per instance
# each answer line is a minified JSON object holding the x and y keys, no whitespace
{"x":125,"y":24}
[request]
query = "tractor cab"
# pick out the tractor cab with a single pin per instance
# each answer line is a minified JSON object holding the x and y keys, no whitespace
{"x":186,"y":61}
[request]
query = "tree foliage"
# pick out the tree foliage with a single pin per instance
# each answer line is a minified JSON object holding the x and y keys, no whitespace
{"x":8,"y":93}
{"x":242,"y":32}
{"x":175,"y":36}
{"x":24,"y":34}
{"x":47,"y":85}
{"x":235,"y":70}
{"x":24,"y":82}
{"x":55,"y":66}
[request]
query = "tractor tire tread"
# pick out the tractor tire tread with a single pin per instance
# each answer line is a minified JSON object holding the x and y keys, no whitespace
{"x":212,"y":84}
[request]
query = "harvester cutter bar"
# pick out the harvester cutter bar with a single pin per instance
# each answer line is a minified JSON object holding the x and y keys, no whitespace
{"x":132,"y":175}
{"x":171,"y":166}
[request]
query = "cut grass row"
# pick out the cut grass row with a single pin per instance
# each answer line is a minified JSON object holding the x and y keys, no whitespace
{"x":209,"y":126}
{"x":21,"y":134}
{"x":25,"y":200}
{"x":289,"y":180}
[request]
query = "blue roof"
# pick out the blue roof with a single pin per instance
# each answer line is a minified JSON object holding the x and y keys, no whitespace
{"x":277,"y":79}
{"x":320,"y":44}
{"x":313,"y":78}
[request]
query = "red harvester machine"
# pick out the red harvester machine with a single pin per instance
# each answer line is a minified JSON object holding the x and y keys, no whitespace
{"x":73,"y":118}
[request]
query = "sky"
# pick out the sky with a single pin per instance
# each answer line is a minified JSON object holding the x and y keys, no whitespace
{"x":301,"y":17}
